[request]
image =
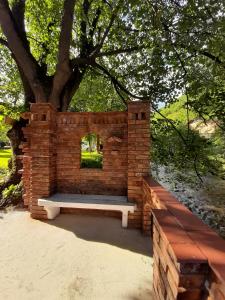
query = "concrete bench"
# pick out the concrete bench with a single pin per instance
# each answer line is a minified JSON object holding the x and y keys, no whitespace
{"x":102,"y":202}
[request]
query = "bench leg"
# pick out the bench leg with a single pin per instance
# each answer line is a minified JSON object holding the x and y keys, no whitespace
{"x":124,"y":219}
{"x":52,"y":212}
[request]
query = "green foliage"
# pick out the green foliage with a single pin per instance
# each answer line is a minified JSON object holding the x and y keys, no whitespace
{"x":183,"y":148}
{"x":8,"y":192}
{"x":178,"y":111}
{"x":7,"y":110}
{"x":96,"y":93}
{"x":3,"y":130}
{"x":208,"y":99}
{"x":168,"y":148}
{"x":11,"y":90}
{"x":11,"y":195}
{"x":5,"y":155}
{"x":3,"y":173}
{"x":217,"y":155}
{"x":181,"y":50}
{"x":91,"y":160}
{"x":12,"y":111}
{"x":91,"y":157}
{"x":43,"y":18}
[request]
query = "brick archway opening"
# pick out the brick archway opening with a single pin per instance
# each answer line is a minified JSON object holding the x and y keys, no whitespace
{"x":91,"y":151}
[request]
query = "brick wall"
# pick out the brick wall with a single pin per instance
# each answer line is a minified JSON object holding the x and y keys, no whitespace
{"x":39,"y":162}
{"x":138,"y":155}
{"x":189,"y":257}
{"x":112,"y":178}
{"x":52,"y":155}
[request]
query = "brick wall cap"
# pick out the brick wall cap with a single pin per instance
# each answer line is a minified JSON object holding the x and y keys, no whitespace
{"x":213,"y":247}
{"x":151,"y":182}
{"x":170,"y":228}
{"x":132,"y":102}
{"x":183,"y":215}
{"x":186,"y":218}
{"x":97,"y":114}
{"x":188,"y":253}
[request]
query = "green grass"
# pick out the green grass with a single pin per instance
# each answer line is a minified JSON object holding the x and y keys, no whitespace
{"x":91,"y":160}
{"x":5,"y":155}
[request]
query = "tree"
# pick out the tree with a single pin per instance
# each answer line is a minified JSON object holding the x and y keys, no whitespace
{"x":195,"y":151}
{"x":54,"y":43}
{"x":150,"y":49}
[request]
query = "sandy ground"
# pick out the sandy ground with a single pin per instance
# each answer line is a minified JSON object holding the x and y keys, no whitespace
{"x":72,"y":257}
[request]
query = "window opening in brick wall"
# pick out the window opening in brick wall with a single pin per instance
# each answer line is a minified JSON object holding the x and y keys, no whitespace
{"x":91,"y":151}
{"x":43,"y":117}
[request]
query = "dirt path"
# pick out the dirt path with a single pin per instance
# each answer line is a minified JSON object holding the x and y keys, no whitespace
{"x":72,"y":257}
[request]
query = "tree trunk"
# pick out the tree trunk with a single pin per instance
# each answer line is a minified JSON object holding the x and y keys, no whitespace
{"x":98,"y":144}
{"x":90,"y":145}
{"x":15,"y":136}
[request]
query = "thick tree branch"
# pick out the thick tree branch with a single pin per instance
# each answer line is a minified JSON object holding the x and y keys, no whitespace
{"x":71,"y":87}
{"x":95,"y":22}
{"x":66,"y":31}
{"x":172,"y":124}
{"x":4,"y":42}
{"x":82,"y":61}
{"x":212,"y":57}
{"x":28,"y":93}
{"x":63,"y":69}
{"x":119,"y":51}
{"x":118,"y":84}
{"x":83,"y":27}
{"x":120,"y":95}
{"x":18,"y":49}
{"x":18,"y":10}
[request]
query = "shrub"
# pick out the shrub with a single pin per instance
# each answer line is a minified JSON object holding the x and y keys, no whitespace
{"x":11,"y":195}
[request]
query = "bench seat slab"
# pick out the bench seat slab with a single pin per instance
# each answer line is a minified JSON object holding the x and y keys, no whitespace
{"x":101,"y":202}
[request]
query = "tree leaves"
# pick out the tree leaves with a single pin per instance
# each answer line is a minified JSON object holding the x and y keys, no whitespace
{"x":177,"y":47}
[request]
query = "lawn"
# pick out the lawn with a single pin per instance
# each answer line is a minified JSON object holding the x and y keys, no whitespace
{"x":91,"y":160}
{"x":5,"y":155}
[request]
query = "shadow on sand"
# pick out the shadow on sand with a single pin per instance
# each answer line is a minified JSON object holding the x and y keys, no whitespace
{"x":104,"y":230}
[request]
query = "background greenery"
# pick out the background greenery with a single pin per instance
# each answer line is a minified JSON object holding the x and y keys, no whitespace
{"x":176,"y":144}
{"x":91,"y":160}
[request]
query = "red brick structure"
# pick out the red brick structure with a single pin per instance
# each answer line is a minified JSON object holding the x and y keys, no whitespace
{"x":52,"y":155}
{"x":189,"y":257}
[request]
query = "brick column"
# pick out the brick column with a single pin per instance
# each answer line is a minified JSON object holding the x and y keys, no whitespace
{"x":39,"y":160}
{"x":138,"y":155}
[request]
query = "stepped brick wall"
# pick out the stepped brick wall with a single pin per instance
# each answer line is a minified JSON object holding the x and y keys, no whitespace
{"x":189,"y":257}
{"x":52,"y":155}
{"x":112,"y":178}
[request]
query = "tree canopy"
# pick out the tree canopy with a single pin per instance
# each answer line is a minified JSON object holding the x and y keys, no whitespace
{"x":154,"y":50}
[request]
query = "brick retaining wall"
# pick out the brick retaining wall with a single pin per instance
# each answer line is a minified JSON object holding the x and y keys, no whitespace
{"x":189,"y":257}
